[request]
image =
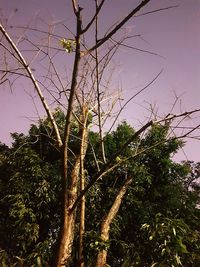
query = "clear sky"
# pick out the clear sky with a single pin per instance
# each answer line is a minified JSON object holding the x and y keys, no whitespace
{"x":174,"y":34}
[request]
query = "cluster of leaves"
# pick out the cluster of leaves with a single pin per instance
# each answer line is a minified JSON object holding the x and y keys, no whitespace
{"x":162,"y":224}
{"x":30,"y":186}
{"x":68,"y":45}
{"x":157,"y":224}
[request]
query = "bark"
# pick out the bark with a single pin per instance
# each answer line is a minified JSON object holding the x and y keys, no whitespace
{"x":67,"y":234}
{"x":81,"y":228}
{"x":69,"y":183}
{"x":84,"y":146}
{"x":68,"y":223}
{"x":105,"y":226}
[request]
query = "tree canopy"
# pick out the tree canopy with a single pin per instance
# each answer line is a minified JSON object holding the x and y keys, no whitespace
{"x":73,"y":196}
{"x":157,"y":223}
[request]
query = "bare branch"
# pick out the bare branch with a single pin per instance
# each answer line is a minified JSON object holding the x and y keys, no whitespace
{"x":117,"y":27}
{"x":157,"y":10}
{"x":35,"y":83}
{"x":98,"y":87}
{"x":94,"y":17}
{"x":170,"y":117}
{"x":75,"y":7}
{"x":131,"y":98}
{"x":137,"y":49}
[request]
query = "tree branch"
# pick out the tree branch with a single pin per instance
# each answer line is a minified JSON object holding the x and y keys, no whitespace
{"x":94,"y":17}
{"x":106,"y":166}
{"x":117,"y":27}
{"x":35,"y":83}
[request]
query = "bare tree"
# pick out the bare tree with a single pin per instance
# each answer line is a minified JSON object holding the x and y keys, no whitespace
{"x":85,"y":91}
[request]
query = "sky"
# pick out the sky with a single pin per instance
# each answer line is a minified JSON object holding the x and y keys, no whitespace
{"x":173,"y":34}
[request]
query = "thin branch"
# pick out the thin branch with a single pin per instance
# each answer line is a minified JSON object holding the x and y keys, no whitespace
{"x":13,"y":72}
{"x":138,"y":49}
{"x":98,"y":87}
{"x":35,"y":83}
{"x":38,"y":30}
{"x":131,"y":98}
{"x":75,"y":7}
{"x":118,"y":26}
{"x":157,"y":10}
{"x":170,"y":117}
{"x":94,"y":17}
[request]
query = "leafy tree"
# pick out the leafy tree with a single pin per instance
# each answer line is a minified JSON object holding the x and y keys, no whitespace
{"x":30,"y":203}
{"x":156,"y":223}
{"x":45,"y":176}
{"x":161,"y":211}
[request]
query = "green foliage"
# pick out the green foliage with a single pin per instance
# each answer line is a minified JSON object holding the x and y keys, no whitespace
{"x":166,"y":240}
{"x":68,"y":45}
{"x":30,"y":193}
{"x":115,"y":140}
{"x":158,"y":221}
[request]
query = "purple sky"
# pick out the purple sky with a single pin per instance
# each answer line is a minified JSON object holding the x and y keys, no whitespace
{"x":174,"y":34}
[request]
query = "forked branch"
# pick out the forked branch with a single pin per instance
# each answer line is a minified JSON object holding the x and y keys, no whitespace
{"x":23,"y":62}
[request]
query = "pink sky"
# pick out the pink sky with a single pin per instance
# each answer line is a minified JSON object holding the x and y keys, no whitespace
{"x":174,"y":34}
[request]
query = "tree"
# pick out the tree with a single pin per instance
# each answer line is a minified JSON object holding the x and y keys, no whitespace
{"x":159,"y":233}
{"x":85,"y":96}
{"x":162,"y":222}
{"x":30,"y":194}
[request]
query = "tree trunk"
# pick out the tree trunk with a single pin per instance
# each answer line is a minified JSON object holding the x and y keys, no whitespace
{"x":70,"y":183}
{"x":84,"y":146}
{"x":67,"y":234}
{"x":82,"y":226}
{"x":105,"y":226}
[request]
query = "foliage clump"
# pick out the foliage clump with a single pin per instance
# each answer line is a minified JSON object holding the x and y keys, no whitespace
{"x":158,"y":221}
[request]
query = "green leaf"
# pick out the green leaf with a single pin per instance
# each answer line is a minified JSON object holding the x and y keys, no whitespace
{"x":182,"y":246}
{"x":68,"y":45}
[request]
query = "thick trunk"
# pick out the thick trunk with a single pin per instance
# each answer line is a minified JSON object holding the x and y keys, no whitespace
{"x":105,"y":226}
{"x":101,"y":258}
{"x":82,"y":219}
{"x":67,"y":232}
{"x":69,"y":182}
{"x":67,"y":237}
